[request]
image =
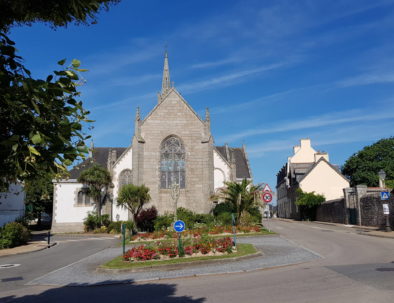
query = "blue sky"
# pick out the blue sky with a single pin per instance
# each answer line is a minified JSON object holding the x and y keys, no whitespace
{"x":271,"y":72}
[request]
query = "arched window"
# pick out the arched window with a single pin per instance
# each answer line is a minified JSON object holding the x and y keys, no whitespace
{"x":172,"y":163}
{"x":83,"y":199}
{"x":125,"y":177}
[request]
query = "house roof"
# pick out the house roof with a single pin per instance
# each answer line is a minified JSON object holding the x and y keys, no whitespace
{"x":334,"y":167}
{"x":99,"y":156}
{"x":241,"y":162}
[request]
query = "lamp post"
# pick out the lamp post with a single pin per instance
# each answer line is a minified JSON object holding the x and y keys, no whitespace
{"x":175,"y":196}
{"x":382,"y":177}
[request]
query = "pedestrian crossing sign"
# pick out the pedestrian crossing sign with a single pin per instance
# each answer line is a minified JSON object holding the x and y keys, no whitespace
{"x":384,"y":195}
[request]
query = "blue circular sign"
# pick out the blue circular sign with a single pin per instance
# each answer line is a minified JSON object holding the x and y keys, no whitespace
{"x":179,"y":226}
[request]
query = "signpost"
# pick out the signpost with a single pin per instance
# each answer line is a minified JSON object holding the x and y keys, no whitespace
{"x":384,"y":196}
{"x":266,"y":196}
{"x":179,"y":226}
{"x":234,"y":228}
{"x":124,"y":237}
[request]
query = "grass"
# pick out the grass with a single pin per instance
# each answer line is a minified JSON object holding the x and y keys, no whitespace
{"x":118,"y":263}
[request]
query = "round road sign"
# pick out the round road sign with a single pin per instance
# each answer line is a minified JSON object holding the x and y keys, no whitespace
{"x":267,"y":197}
{"x":179,"y":226}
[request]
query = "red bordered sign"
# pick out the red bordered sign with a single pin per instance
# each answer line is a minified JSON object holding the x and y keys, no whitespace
{"x":266,"y":196}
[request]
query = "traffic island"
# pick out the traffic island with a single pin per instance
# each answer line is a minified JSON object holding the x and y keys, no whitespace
{"x":120,"y":265}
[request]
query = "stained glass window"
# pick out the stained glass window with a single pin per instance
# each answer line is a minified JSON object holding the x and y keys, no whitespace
{"x":172,"y":163}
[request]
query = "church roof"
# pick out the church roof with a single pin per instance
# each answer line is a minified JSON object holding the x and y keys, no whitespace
{"x":241,"y":162}
{"x":99,"y":156}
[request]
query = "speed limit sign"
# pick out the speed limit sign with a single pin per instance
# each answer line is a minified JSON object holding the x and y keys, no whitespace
{"x":267,"y":197}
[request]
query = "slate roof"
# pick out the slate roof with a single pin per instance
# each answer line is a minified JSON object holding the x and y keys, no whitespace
{"x":100,"y":156}
{"x":241,"y":162}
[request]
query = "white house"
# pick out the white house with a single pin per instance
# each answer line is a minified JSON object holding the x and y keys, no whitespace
{"x":310,"y":171}
{"x":12,"y":204}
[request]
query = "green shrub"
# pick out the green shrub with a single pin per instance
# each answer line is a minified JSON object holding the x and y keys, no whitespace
{"x":256,"y":214}
{"x":223,"y":208}
{"x":13,"y":234}
{"x":130,"y":225}
{"x":164,"y":222}
{"x":186,"y":216}
{"x":92,"y":221}
{"x":115,"y":227}
{"x":224,"y":219}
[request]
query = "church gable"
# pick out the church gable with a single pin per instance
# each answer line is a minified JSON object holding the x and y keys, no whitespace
{"x":172,"y":105}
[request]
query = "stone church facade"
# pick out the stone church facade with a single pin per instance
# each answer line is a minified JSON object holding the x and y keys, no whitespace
{"x":171,"y":145}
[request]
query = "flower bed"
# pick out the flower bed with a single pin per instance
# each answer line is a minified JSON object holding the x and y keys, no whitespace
{"x":164,"y":250}
{"x":195,"y":233}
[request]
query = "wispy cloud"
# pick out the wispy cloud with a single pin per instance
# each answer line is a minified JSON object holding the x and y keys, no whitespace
{"x":216,"y":63}
{"x":131,"y":81}
{"x":367,"y":79}
{"x":228,"y":79}
{"x":115,"y":104}
{"x":342,"y":135}
{"x":336,"y":118}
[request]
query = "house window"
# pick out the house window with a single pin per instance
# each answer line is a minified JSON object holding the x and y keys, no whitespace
{"x":83,"y":199}
{"x":172,"y":163}
{"x":125,"y":177}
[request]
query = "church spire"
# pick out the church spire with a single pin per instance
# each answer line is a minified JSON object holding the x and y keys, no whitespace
{"x":166,"y":84}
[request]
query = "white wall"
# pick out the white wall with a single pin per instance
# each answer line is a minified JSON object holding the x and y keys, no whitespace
{"x":324,"y":180}
{"x":66,"y":209}
{"x":125,"y":162}
{"x":12,"y":204}
{"x":221,"y":171}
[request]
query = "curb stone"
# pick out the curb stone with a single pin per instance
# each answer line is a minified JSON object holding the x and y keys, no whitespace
{"x":175,"y":266}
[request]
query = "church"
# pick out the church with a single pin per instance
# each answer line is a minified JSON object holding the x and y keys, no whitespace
{"x":171,"y":145}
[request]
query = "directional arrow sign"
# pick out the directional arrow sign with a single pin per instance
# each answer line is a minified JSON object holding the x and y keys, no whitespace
{"x":179,"y":226}
{"x":384,"y":195}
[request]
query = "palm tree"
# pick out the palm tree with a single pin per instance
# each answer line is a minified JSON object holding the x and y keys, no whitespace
{"x":240,"y":195}
{"x":133,"y":198}
{"x":98,"y":179}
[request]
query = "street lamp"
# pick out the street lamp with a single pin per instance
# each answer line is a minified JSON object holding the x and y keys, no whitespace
{"x":382,"y":177}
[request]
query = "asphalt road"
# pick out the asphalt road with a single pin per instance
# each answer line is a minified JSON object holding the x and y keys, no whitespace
{"x":69,"y":249}
{"x":354,"y":268}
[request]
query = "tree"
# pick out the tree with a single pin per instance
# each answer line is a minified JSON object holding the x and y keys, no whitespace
{"x":241,"y":196}
{"x":308,"y":202}
{"x":56,"y":13}
{"x":39,"y":196}
{"x":363,"y":166}
{"x":98,"y":179}
{"x":40,"y":120}
{"x":133,"y":197}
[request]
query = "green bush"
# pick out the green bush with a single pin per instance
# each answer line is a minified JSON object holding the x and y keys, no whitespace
{"x":92,"y":221}
{"x":164,"y":222}
{"x":224,"y":219}
{"x":13,"y":234}
{"x":186,"y":216}
{"x":225,"y":207}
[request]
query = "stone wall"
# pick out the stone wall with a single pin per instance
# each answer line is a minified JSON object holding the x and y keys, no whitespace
{"x":331,"y":211}
{"x":372,"y":210}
